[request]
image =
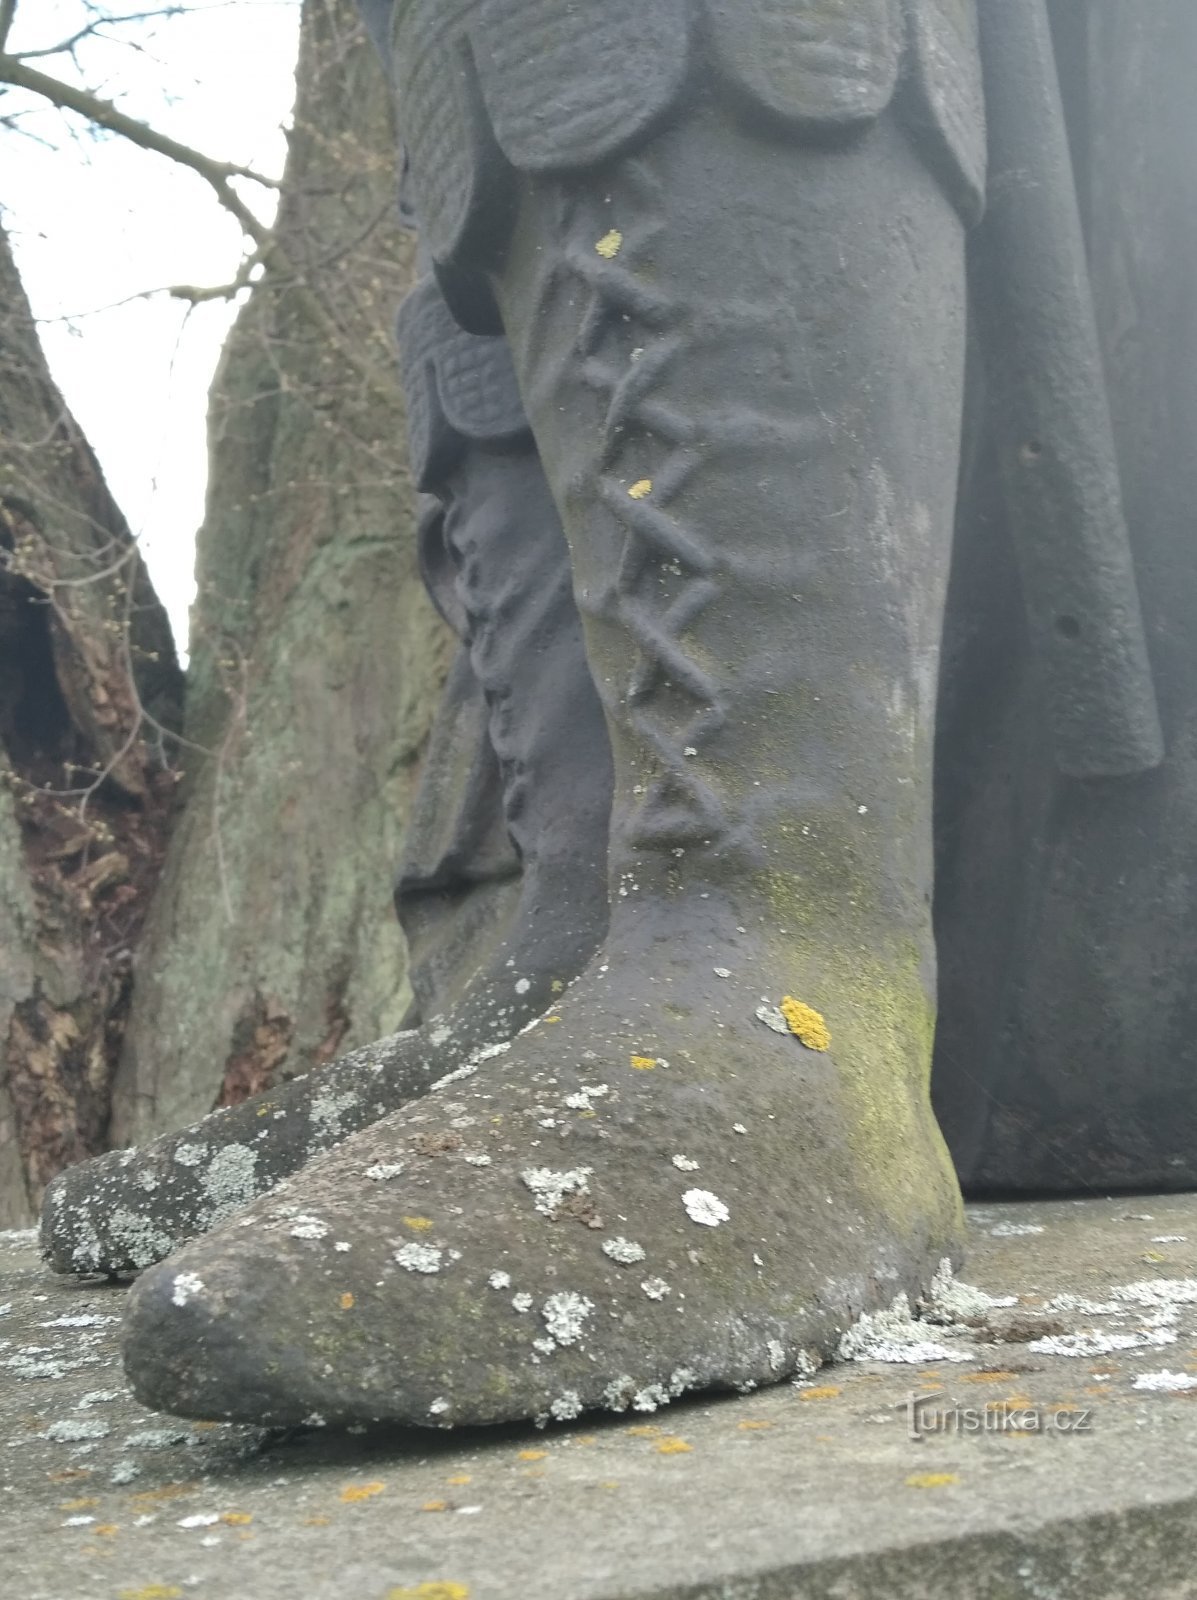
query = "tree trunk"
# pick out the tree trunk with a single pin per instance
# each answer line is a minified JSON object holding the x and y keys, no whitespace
{"x":178,"y":936}
{"x":316,"y":660}
{"x":85,"y":795}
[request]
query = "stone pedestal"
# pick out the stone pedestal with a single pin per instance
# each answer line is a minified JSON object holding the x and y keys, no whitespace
{"x":1070,"y":1467}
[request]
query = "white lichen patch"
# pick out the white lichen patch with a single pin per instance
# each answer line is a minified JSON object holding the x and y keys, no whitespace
{"x":617,"y":1396}
{"x":582,"y":1099}
{"x":139,"y":1238}
{"x":772,"y":1018}
{"x":477,"y":1159}
{"x":470,"y":1065}
{"x":522,"y":1301}
{"x":499,"y":1280}
{"x":894,"y":1336}
{"x":806,"y":1364}
{"x":544,"y":1345}
{"x":651,"y":1397}
{"x":191,"y":1155}
{"x":705,"y":1208}
{"x":416,"y":1257}
{"x":1015,"y":1230}
{"x":565,"y":1315}
{"x":186,"y":1286}
{"x":1088,"y":1343}
{"x":439,"y":1406}
{"x":1158,"y":1292}
{"x":550,"y":1188}
{"x":1166,"y":1382}
{"x":951,"y":1301}
{"x":326,"y":1113}
{"x":626,"y":1251}
{"x":566,"y":1406}
{"x":684,"y":1164}
{"x":97,"y":1397}
{"x":777,"y":1354}
{"x":656,"y":1288}
{"x":230,"y":1181}
{"x":309,"y":1228}
{"x":522,"y":985}
{"x":81,"y":1319}
{"x":76,"y":1432}
{"x":384,"y":1171}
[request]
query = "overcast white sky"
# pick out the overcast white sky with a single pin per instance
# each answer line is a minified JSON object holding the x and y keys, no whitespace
{"x":96,"y":221}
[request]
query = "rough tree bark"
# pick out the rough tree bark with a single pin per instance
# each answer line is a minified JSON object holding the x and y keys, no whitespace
{"x":85,"y":795}
{"x":192,"y":932}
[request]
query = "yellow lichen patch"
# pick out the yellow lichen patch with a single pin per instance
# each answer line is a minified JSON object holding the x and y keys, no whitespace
{"x":68,"y":1473}
{"x":85,"y":1503}
{"x":1154,"y":1257}
{"x":435,"y":1505}
{"x":805,"y":1023}
{"x":316,"y":1522}
{"x":644,"y":1063}
{"x":556,"y":986}
{"x":361,"y":1491}
{"x":641,"y":489}
{"x":608,"y":246}
{"x":752,"y":1426}
{"x":265,"y":1110}
{"x":643,"y":1430}
{"x":1097,"y":1388}
{"x":931,"y":1480}
{"x":823,"y":1391}
{"x":237,"y":1519}
{"x":418,"y":1224}
{"x":550,"y":1019}
{"x":347,"y":1301}
{"x":584,"y":1438}
{"x":532,"y":1455}
{"x":152,"y":1591}
{"x":168,"y":1491}
{"x":669,"y":1446}
{"x":987,"y":1377}
{"x":431,"y":1591}
{"x":459,"y":1478}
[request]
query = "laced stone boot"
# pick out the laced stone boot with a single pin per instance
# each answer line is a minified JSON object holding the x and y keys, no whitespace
{"x":503,"y":579}
{"x":742,"y":352}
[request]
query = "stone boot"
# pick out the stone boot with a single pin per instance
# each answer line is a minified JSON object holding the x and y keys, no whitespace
{"x":717,"y":1150}
{"x":501,"y":576}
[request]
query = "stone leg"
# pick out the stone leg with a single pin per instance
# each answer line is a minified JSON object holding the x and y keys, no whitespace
{"x":742,"y":357}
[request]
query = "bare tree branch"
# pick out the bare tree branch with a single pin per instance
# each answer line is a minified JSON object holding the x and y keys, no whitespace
{"x":101,"y":112}
{"x":92,"y":29}
{"x":219,"y":175}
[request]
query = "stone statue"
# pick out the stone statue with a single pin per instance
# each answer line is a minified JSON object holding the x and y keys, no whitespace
{"x":726,"y":249}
